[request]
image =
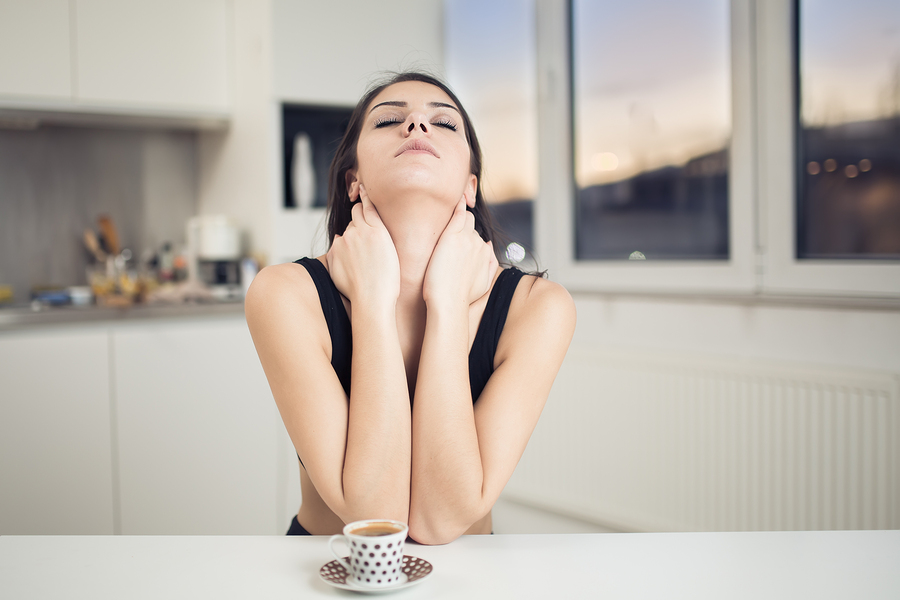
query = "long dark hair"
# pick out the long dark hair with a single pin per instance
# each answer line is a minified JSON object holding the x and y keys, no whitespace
{"x":339,"y":203}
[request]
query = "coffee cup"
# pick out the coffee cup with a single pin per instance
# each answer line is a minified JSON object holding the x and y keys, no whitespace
{"x":376,"y":552}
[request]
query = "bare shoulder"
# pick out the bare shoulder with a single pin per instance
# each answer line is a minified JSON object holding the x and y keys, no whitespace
{"x":278,"y":290}
{"x":541,"y":315}
{"x":539,"y":298}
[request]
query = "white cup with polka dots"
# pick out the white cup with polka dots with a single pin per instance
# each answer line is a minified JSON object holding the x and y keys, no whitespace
{"x":376,"y":552}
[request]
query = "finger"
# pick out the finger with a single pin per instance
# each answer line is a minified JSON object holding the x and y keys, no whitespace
{"x":356,"y":213}
{"x":458,"y":218}
{"x":370,"y":213}
{"x":470,"y":221}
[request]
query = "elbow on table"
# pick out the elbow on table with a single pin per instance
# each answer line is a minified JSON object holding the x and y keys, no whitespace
{"x":433,"y":536}
{"x":435,"y":530}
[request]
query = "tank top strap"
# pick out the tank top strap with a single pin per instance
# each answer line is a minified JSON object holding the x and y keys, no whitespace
{"x":484,"y":347}
{"x":336,"y":318}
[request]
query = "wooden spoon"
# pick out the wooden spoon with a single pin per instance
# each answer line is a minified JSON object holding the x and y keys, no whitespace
{"x":109,"y":234}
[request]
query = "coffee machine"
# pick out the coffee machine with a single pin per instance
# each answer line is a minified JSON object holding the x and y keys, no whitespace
{"x":214,"y":254}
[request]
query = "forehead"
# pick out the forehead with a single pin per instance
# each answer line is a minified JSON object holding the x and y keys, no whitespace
{"x":415,"y":93}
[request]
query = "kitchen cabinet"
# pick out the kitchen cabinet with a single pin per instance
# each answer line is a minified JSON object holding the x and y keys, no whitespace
{"x":374,"y":37}
{"x":35,"y":49}
{"x":165,"y":54}
{"x":56,"y":459}
{"x":198,"y":432}
{"x":165,"y":62}
{"x":143,"y":426}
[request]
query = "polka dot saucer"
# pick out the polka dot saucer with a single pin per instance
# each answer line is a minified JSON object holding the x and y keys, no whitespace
{"x":414,"y":571}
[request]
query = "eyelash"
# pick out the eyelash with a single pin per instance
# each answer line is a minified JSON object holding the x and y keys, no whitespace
{"x":386,"y":121}
{"x":446,"y":123}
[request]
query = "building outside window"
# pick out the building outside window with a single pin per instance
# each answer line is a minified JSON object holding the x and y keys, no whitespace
{"x":848,"y":200}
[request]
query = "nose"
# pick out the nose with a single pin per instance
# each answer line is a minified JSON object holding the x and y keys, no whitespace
{"x":417,"y":120}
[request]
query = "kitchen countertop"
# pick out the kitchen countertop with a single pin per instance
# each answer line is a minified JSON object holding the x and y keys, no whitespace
{"x":24,"y":317}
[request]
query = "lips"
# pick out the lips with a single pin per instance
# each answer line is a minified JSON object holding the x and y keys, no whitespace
{"x":417,"y":145}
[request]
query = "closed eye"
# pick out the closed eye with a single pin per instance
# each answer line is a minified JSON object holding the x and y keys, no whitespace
{"x":386,"y":121}
{"x":445,"y":123}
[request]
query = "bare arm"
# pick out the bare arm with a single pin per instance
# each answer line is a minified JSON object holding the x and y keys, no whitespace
{"x":462,"y":457}
{"x":357,"y":454}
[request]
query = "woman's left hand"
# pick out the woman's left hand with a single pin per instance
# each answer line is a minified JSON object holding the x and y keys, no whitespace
{"x":463,"y":265}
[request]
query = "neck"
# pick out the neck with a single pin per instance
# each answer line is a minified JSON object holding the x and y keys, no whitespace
{"x":415,"y":234}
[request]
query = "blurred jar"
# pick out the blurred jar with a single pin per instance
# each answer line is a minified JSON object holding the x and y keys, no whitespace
{"x":101,"y":282}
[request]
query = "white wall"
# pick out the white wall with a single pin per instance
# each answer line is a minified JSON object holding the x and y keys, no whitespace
{"x":863,"y":338}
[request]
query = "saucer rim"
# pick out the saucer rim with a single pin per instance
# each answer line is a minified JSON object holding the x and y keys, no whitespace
{"x":355,"y":587}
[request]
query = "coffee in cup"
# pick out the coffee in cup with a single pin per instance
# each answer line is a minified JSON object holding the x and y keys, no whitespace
{"x":377,"y":528}
{"x":376,"y":552}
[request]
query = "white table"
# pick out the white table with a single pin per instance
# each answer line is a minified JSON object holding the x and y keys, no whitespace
{"x":819,"y":565}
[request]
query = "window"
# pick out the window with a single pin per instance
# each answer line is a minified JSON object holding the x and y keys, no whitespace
{"x":849,"y":129}
{"x":490,"y":58}
{"x":741,"y":148}
{"x":787,"y":86}
{"x":652,"y":126}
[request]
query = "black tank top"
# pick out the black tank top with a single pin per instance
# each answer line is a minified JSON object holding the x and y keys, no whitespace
{"x":484,"y":346}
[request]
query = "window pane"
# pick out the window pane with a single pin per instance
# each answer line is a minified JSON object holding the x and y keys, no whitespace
{"x":652,"y":111}
{"x":849,"y":140}
{"x":490,"y":62}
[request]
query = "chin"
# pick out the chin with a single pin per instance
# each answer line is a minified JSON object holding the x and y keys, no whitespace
{"x":417,"y":191}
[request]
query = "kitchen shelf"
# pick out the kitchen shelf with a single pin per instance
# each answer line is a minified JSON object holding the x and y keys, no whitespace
{"x":325,"y":126}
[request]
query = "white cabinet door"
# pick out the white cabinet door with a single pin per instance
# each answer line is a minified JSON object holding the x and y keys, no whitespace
{"x":35,"y":58}
{"x":55,"y":448}
{"x":197,"y":429}
{"x":169,"y":54}
{"x":326,"y":52}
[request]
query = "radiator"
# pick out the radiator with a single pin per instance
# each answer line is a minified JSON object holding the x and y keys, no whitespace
{"x":655,"y":442}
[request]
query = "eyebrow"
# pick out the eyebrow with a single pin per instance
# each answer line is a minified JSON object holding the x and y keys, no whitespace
{"x":405,"y":104}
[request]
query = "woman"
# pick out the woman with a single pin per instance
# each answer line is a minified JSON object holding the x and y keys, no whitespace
{"x":439,"y":410}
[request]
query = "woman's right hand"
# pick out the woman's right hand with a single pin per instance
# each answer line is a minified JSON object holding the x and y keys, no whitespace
{"x":363,"y":262}
{"x":462,"y":266}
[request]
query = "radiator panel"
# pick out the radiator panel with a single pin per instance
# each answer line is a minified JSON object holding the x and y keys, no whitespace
{"x":657,"y":442}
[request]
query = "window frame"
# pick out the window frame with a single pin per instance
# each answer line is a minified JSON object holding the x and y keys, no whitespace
{"x":778,"y":92}
{"x":555,"y":233}
{"x":762,"y":182}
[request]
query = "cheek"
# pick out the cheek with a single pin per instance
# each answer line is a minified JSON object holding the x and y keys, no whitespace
{"x":365,"y":158}
{"x":463,"y":160}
